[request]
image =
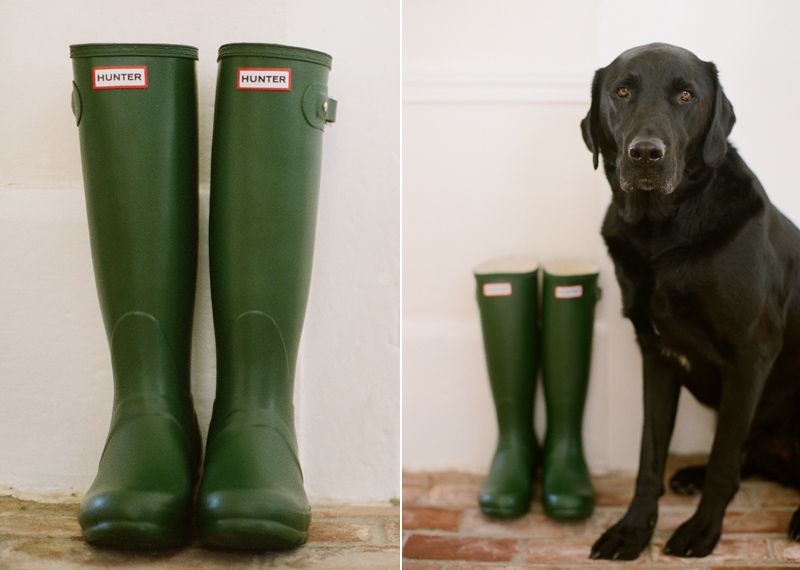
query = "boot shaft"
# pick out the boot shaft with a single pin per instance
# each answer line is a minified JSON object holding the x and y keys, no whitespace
{"x":569,"y":296}
{"x":136,"y":110}
{"x":507,"y":294}
{"x":271,"y":110}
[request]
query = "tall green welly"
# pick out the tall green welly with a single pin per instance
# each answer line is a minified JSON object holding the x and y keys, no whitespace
{"x":569,"y":296}
{"x":271,"y":110}
{"x":136,"y":110}
{"x":507,"y":291}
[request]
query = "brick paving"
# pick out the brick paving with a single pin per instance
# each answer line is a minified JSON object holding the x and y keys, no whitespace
{"x":43,"y":536}
{"x":443,"y":528}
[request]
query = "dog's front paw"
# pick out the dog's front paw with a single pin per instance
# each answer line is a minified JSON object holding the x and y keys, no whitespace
{"x":794,"y":526}
{"x":697,"y":537}
{"x":623,"y":541}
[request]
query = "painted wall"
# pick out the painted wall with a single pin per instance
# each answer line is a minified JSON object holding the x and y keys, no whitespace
{"x":494,"y":164}
{"x":55,"y":376}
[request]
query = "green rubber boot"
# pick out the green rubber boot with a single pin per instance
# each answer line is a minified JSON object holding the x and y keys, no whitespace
{"x":569,"y":294}
{"x":507,"y":298}
{"x":271,"y":110}
{"x":136,"y":109}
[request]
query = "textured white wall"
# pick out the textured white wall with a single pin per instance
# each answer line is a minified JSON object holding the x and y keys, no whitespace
{"x":494,"y":164}
{"x":55,"y":376}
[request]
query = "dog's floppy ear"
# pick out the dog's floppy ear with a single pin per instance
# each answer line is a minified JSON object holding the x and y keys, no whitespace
{"x":590,"y":125}
{"x":720,"y":123}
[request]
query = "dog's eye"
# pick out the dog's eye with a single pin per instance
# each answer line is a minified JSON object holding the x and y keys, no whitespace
{"x":686,"y":95}
{"x":623,"y":92}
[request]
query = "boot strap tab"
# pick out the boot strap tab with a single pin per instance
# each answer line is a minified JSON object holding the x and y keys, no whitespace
{"x":77,"y":106}
{"x":318,"y":108}
{"x":330,"y":110}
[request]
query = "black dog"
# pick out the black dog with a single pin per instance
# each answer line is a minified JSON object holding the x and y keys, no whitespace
{"x":710,"y":277}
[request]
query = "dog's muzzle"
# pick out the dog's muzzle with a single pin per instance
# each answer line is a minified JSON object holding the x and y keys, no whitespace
{"x":645,"y":166}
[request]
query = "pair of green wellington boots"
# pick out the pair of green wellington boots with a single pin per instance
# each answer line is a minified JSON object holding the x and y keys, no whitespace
{"x":508,"y":299}
{"x":136,"y":109}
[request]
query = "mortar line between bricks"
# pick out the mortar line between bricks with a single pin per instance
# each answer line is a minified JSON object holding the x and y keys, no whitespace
{"x":647,"y":561}
{"x":377,"y":533}
{"x":425,"y":490}
{"x":517,"y":557}
{"x":479,"y":534}
{"x":461,"y":518}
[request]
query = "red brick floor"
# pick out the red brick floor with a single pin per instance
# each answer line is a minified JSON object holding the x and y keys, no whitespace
{"x":444,"y":529}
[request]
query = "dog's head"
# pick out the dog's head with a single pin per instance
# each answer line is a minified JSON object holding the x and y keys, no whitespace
{"x":656,"y":109}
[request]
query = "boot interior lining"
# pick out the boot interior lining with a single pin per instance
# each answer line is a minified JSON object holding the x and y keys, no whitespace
{"x":565,"y":267}
{"x":511,"y":264}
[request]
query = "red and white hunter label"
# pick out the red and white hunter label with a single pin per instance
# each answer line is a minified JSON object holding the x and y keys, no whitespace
{"x":569,"y":291}
{"x":264,"y":79}
{"x":119,"y":77}
{"x":496,"y":289}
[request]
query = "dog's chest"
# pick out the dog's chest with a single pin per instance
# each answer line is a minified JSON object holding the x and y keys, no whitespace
{"x":676,"y":311}
{"x":667,"y":344}
{"x":683,"y":335}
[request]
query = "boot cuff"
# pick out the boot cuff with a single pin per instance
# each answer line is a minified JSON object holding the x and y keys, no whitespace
{"x":276,"y":51}
{"x":149,"y":50}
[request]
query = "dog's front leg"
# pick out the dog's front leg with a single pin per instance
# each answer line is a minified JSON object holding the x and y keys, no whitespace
{"x":628,"y":537}
{"x":741,"y":391}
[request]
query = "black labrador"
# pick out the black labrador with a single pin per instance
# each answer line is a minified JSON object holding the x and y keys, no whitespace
{"x":710,"y":277}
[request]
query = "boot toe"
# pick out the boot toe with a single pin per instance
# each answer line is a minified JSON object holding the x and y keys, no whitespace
{"x":504,"y":504}
{"x":142,"y":495}
{"x":251,"y":495}
{"x":508,"y":488}
{"x":569,"y":506}
{"x":135,"y":519}
{"x":253,"y":519}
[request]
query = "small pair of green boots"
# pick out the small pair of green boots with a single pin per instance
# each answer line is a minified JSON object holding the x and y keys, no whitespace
{"x":507,"y":292}
{"x":136,"y":108}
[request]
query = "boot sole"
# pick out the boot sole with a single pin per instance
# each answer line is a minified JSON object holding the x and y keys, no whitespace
{"x":252,"y":534}
{"x":568,"y":514}
{"x":504,"y":513}
{"x":127,"y":535}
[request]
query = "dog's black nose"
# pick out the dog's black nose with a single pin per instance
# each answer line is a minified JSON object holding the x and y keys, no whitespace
{"x":646,"y":150}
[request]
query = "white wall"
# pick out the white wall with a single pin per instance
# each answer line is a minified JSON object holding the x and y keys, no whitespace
{"x":55,"y":376}
{"x":494,"y":164}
